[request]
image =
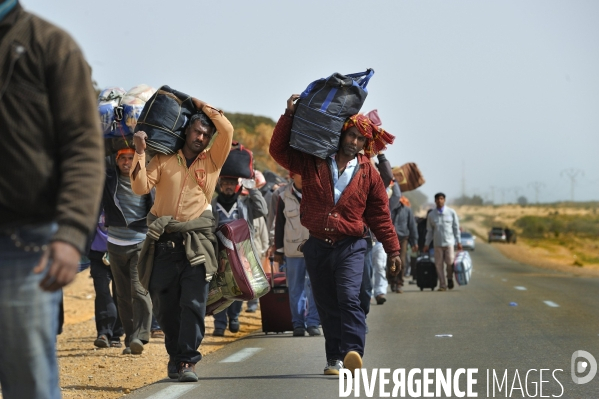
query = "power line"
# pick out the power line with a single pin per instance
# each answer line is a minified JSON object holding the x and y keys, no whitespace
{"x":537,"y":186}
{"x":572,"y":174}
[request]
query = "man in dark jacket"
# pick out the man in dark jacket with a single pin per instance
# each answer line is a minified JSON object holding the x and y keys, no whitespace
{"x":341,"y":197}
{"x":407,"y":233}
{"x":228,"y":206}
{"x":125,"y":215}
{"x":50,"y":187}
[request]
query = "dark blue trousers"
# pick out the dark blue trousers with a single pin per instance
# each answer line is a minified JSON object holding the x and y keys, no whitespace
{"x":366,"y":287}
{"x":336,"y":275}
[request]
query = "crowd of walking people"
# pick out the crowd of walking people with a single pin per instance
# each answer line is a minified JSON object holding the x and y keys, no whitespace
{"x":339,"y":227}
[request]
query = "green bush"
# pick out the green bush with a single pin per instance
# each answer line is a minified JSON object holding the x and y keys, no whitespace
{"x":555,"y":225}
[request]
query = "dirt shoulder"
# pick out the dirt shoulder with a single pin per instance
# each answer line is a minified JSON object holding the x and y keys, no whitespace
{"x":539,"y":253}
{"x":92,"y":373}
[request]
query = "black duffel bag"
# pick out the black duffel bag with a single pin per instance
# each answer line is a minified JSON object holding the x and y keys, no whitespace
{"x":164,"y":119}
{"x":239,"y":163}
{"x":322,"y":110}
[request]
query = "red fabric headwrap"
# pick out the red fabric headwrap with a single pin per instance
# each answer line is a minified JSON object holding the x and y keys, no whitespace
{"x":376,"y":137}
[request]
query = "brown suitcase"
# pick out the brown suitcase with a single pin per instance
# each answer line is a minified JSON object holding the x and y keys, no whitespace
{"x":408,"y":177}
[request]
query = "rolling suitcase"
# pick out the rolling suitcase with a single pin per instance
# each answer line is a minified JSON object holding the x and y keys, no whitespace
{"x":274,"y":306}
{"x":462,"y":267}
{"x":427,"y":273}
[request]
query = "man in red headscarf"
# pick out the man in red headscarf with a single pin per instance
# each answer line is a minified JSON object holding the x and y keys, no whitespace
{"x":341,"y":197}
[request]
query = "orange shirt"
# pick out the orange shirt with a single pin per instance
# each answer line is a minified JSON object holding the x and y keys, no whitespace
{"x":181,"y":192}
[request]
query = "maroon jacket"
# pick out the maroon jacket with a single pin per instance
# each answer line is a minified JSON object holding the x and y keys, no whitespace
{"x":363,"y":204}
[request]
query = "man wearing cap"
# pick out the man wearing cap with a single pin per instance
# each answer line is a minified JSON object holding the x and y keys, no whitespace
{"x":227,"y":206}
{"x":443,"y":230}
{"x":178,"y":258}
{"x":341,"y":197}
{"x":125,"y":216}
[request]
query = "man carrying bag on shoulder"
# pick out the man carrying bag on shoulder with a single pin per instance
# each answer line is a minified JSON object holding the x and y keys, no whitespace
{"x":178,"y":258}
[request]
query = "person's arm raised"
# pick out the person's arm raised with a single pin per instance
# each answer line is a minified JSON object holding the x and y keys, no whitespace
{"x":143,"y":178}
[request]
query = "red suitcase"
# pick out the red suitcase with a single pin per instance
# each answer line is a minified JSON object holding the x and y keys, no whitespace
{"x":274,"y":306}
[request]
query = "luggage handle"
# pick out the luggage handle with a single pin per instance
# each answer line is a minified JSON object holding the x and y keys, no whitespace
{"x":362,"y":78}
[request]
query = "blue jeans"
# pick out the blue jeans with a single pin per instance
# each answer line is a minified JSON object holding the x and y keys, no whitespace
{"x":379,"y":264}
{"x":303,"y":308}
{"x":231,"y":313}
{"x":29,"y":319}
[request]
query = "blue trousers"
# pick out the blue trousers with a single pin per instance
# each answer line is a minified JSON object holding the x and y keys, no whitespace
{"x":303,"y":308}
{"x":336,"y":273}
{"x":29,"y":319}
{"x":366,"y":287}
{"x":231,"y":313}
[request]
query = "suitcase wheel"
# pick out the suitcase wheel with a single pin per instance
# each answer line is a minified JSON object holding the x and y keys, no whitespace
{"x":421,"y":288}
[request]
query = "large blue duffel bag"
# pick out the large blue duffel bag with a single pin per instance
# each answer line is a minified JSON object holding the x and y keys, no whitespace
{"x":322,"y":110}
{"x":164,"y":119}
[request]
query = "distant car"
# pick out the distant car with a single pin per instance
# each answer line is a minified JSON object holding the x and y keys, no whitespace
{"x":468,"y":241}
{"x":497,"y":234}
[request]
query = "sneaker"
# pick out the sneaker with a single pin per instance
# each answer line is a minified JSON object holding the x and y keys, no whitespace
{"x":442,"y":289}
{"x":450,"y":284}
{"x":399,"y":289}
{"x":313,"y":331}
{"x":380,"y":299}
{"x":157,"y":334}
{"x":171,"y":369}
{"x":219,"y":332}
{"x":115,"y":343}
{"x":234,"y":326}
{"x":333,"y":366}
{"x":127,"y":351}
{"x":352,"y":361}
{"x":187,"y":372}
{"x":102,"y":342}
{"x":137,"y":347}
{"x":412,"y":282}
{"x":299,"y":332}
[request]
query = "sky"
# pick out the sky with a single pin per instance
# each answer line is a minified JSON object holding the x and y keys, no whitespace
{"x":487,"y":97}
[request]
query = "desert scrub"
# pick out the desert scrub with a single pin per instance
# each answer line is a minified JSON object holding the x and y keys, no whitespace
{"x":556,"y":225}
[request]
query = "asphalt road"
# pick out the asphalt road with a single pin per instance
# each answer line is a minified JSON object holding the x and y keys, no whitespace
{"x":471,"y":327}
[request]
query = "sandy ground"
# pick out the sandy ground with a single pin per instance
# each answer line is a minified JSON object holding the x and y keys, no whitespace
{"x":541,"y":254}
{"x":88,"y":372}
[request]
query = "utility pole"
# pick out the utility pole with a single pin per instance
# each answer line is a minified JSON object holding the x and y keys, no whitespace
{"x":502,"y":191}
{"x":516,"y":191}
{"x":572,"y":174}
{"x":537,"y":186}
{"x":463,"y":179}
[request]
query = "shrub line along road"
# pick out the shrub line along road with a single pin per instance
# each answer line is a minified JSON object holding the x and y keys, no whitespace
{"x":511,"y":317}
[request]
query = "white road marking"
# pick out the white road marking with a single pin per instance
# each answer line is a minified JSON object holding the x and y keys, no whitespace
{"x":173,"y":391}
{"x":551,"y":304}
{"x":241,"y":355}
{"x":444,"y":336}
{"x":520,"y":288}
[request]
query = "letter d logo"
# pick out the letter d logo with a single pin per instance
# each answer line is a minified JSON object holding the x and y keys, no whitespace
{"x":581,"y":367}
